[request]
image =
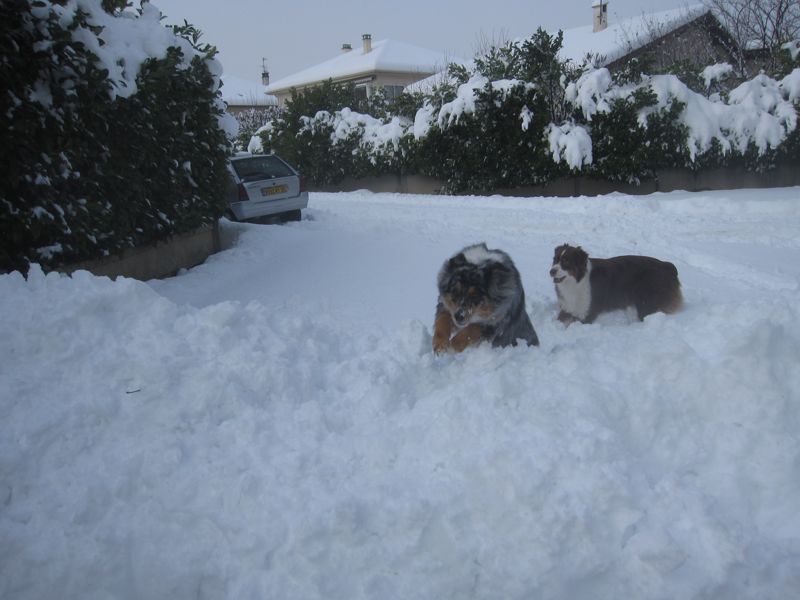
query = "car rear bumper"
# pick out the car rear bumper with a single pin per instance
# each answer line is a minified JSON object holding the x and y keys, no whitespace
{"x":263,"y":208}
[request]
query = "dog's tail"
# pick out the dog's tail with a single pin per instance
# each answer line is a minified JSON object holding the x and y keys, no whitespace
{"x":674,"y":300}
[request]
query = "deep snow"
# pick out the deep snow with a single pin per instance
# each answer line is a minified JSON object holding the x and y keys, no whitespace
{"x":272,"y":424}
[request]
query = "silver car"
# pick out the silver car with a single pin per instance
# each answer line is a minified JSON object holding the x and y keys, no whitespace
{"x":265,"y":186}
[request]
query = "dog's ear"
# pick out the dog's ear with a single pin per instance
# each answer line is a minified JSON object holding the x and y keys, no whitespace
{"x":459,"y":260}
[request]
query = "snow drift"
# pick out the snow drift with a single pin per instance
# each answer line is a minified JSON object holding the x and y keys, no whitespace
{"x":273,"y":424}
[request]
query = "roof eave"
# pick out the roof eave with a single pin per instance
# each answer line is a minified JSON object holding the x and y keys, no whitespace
{"x":344,"y":79}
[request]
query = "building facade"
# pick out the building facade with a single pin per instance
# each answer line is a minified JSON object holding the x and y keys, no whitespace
{"x":386,"y":64}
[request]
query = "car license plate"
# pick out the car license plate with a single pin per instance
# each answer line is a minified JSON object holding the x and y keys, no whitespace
{"x":271,"y":191}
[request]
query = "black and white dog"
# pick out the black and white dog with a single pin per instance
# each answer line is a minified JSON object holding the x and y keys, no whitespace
{"x":480,"y":299}
{"x":587,"y":286}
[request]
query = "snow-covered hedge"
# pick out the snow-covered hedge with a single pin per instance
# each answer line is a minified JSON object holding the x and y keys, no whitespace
{"x":520,"y":116}
{"x":757,"y":115}
{"x":114,"y":133}
{"x":329,"y":133}
{"x":251,"y":121}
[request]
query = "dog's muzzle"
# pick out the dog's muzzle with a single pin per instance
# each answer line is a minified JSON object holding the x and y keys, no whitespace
{"x":554,"y":275}
{"x":460,"y":317}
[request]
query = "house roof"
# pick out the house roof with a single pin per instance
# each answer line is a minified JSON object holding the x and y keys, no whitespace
{"x":243,"y":92}
{"x":620,"y":38}
{"x":612,"y":43}
{"x":386,"y":56}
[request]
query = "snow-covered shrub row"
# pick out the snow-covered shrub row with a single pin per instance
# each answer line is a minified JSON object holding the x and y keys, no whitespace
{"x":489,"y":136}
{"x":376,"y":138}
{"x":758,"y":113}
{"x":519,"y":116}
{"x":115,"y":134}
{"x":624,"y":131}
{"x":329,"y":133}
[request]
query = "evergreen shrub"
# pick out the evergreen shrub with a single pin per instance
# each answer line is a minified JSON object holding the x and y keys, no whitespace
{"x":86,"y":170}
{"x":519,"y":116}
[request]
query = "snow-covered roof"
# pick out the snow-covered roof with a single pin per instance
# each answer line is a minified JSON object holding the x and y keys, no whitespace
{"x":611,"y":44}
{"x":243,"y":92}
{"x":386,"y":56}
{"x":618,"y":39}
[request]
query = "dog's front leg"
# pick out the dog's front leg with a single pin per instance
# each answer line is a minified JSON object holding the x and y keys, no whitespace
{"x":442,"y":328}
{"x":471,"y":335}
{"x":566,"y":318}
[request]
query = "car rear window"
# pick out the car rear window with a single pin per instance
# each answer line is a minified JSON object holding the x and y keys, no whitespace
{"x":261,"y":167}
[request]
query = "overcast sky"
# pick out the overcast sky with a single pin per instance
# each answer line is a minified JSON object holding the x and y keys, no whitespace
{"x":295,"y":34}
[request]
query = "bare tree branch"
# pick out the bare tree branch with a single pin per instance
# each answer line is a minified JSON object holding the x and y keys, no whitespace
{"x":758,"y":29}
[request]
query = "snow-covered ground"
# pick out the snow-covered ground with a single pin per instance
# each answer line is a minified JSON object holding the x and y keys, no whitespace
{"x":273,"y":424}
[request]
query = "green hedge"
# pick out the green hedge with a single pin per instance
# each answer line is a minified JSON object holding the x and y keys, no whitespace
{"x":521,"y":90}
{"x":85,"y":173}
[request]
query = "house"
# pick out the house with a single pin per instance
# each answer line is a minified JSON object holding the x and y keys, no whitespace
{"x":690,"y":35}
{"x":241,"y":95}
{"x":386,"y":64}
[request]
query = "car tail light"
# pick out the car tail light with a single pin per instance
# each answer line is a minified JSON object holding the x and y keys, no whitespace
{"x":243,"y":197}
{"x":302,"y":184}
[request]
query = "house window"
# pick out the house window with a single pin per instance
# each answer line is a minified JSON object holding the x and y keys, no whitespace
{"x":361,"y":92}
{"x":391,"y":92}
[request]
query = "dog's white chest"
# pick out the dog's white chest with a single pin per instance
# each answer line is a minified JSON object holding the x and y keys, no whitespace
{"x":575,"y":297}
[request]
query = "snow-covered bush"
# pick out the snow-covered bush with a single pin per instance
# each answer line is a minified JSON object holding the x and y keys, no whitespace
{"x":665,"y":123}
{"x":617,"y":128}
{"x":115,"y":135}
{"x":311,"y":150}
{"x":630,"y":135}
{"x":490,"y":133}
{"x":373,"y":137}
{"x":329,"y":133}
{"x":519,"y":116}
{"x":571,"y":143}
{"x":252,"y":121}
{"x":489,"y":136}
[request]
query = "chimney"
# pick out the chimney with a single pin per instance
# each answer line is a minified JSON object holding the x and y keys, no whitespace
{"x":600,"y":20}
{"x":346,"y":48}
{"x":264,"y":72}
{"x":367,"y":39}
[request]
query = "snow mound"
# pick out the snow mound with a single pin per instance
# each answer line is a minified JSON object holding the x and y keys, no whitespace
{"x":273,"y":424}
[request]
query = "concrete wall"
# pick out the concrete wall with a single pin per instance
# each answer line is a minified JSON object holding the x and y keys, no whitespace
{"x":155,"y":261}
{"x":667,"y":180}
{"x":392,"y":184}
